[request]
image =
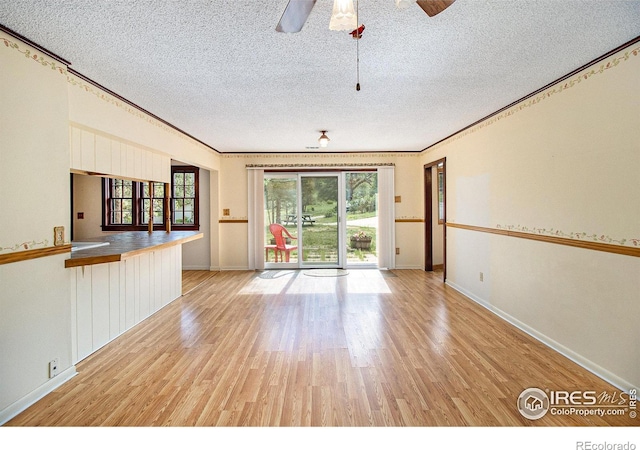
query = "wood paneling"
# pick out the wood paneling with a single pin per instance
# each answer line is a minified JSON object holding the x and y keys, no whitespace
{"x":97,"y":153}
{"x":109,"y":299}
{"x":374,"y":348}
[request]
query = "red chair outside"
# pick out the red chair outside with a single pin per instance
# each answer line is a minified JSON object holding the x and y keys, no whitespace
{"x":279,"y":232}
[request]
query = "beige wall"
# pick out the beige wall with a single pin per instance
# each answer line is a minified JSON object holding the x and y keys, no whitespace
{"x":563,"y":163}
{"x":87,"y":199}
{"x":35,"y":316}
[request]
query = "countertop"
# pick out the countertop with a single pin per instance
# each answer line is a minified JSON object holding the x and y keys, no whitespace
{"x":128,"y":244}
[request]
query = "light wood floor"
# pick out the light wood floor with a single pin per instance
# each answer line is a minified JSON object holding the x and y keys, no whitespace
{"x":365,"y":349}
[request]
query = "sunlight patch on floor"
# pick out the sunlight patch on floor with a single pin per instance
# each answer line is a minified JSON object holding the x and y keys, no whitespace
{"x":273,"y":282}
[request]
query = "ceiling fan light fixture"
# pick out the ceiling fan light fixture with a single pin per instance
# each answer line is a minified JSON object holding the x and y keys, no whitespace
{"x":343,"y":17}
{"x":323,"y":139}
{"x":404,"y":4}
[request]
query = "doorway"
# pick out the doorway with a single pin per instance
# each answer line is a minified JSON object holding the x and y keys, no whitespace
{"x":435,"y":195}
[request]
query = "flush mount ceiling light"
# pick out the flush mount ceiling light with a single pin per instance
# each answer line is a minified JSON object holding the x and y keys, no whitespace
{"x":323,"y":139}
{"x":343,"y":17}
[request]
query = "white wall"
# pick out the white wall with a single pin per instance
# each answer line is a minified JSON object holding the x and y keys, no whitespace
{"x":561,"y":164}
{"x":34,"y":198}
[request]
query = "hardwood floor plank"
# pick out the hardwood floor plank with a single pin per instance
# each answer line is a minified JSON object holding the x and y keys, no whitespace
{"x":294,"y":351}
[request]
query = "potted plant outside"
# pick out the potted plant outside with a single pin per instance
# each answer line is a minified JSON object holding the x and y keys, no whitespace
{"x":361,"y":240}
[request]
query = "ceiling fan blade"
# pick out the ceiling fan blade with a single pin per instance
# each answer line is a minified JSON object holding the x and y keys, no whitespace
{"x":433,"y":7}
{"x":295,"y":15}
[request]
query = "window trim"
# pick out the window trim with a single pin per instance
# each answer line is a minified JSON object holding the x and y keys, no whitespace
{"x":195,"y":226}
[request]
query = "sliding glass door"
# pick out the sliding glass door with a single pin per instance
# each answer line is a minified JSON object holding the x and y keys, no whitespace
{"x":321,"y":219}
{"x":303,"y":225}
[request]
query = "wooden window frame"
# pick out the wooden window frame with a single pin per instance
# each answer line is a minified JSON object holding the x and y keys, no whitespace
{"x":195,"y":226}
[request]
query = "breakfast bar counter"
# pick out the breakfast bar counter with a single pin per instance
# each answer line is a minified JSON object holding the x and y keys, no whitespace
{"x":117,"y":247}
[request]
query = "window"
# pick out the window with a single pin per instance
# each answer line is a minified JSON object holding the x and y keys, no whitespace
{"x":158,"y":203}
{"x":184,"y":201}
{"x":127,"y":203}
{"x":121,"y":202}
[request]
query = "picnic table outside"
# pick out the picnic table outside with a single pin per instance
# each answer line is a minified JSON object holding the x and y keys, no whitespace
{"x":292,"y":219}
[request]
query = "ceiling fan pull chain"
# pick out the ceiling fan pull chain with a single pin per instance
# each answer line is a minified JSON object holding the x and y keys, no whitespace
{"x":357,"y":46}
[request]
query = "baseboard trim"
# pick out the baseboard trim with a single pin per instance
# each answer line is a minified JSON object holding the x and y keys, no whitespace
{"x":587,"y":364}
{"x":16,"y":408}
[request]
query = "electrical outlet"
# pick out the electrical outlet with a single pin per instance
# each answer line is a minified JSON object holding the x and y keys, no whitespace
{"x":481,"y":276}
{"x":397,"y":250}
{"x":53,"y":367}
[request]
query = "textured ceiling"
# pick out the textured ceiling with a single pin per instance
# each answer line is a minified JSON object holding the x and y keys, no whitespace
{"x":218,"y":70}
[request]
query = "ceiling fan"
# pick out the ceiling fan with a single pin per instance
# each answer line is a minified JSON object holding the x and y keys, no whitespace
{"x":297,"y":11}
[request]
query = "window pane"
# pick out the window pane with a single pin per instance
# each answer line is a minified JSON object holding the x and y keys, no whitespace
{"x":190,"y":191}
{"x":188,"y":217}
{"x":188,"y":205}
{"x":127,"y":189}
{"x":189,"y":179}
{"x":145,"y":212}
{"x":178,"y":217}
{"x":178,"y":191}
{"x":178,"y":178}
{"x":158,"y":190}
{"x":178,"y":204}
